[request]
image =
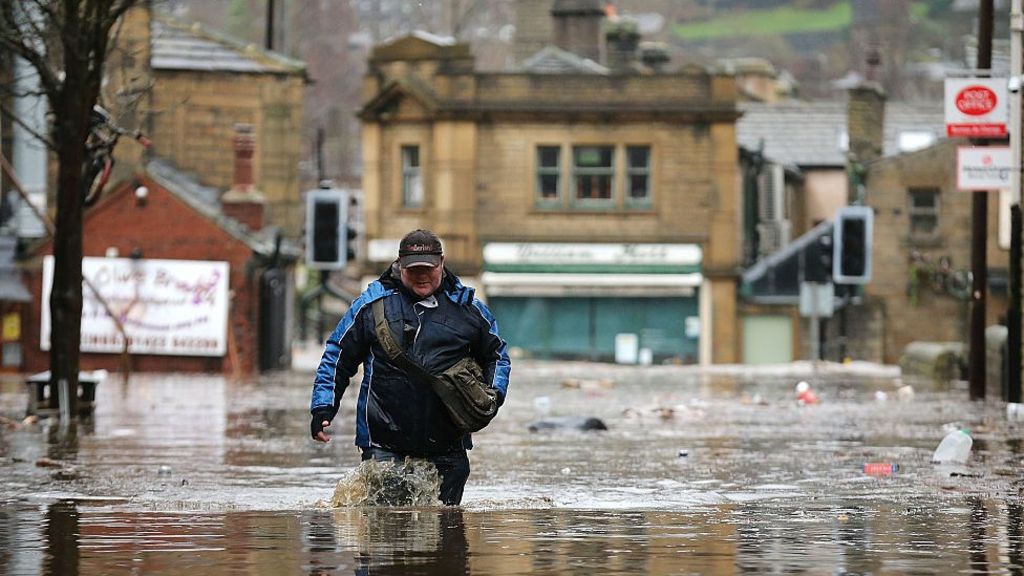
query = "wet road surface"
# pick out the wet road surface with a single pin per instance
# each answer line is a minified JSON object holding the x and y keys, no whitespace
{"x":713,"y":472}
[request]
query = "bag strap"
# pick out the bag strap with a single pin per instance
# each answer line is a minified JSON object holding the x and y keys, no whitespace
{"x":391,"y":347}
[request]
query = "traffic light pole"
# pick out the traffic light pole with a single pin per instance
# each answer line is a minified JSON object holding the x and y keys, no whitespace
{"x":317,"y":295}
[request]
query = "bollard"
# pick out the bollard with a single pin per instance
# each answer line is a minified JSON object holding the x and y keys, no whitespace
{"x":64,"y":400}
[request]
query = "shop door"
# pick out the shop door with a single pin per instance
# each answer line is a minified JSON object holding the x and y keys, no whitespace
{"x":767,"y":340}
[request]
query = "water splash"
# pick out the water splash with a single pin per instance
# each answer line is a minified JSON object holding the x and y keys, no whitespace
{"x":412,"y":482}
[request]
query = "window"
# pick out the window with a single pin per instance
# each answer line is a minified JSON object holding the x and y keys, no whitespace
{"x":412,"y":181}
{"x":588,"y":177}
{"x":924,"y":213}
{"x":548,"y":175}
{"x":638,"y":175}
{"x":593,"y":171}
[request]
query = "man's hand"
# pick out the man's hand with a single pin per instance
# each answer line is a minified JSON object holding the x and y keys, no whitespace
{"x":321,"y":419}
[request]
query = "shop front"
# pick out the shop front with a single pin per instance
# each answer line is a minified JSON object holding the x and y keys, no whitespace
{"x":638,"y":302}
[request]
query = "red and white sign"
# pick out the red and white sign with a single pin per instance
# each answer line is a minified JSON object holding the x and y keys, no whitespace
{"x":976,"y":107}
{"x":983,"y":167}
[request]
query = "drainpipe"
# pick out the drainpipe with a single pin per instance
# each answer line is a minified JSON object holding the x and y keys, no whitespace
{"x":28,"y":154}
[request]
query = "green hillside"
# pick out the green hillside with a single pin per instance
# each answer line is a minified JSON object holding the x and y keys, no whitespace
{"x":774,"y":21}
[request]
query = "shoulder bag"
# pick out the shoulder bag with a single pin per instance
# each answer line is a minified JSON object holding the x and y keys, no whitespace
{"x":471,"y":403}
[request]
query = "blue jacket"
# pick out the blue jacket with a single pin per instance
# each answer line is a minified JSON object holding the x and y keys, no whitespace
{"x":395,"y":412}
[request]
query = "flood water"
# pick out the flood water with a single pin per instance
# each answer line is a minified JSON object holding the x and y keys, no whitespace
{"x":698,"y":473}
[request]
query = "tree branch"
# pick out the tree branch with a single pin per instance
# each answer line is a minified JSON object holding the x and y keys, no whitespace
{"x":9,"y":115}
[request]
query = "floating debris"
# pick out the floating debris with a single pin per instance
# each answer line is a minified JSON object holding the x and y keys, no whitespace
{"x":587,"y":384}
{"x":880,"y":468}
{"x":580,"y":423}
{"x":804,"y":394}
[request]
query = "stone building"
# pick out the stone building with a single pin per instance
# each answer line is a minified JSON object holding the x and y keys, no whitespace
{"x":586,"y":199}
{"x":922,"y":243}
{"x":810,"y":159}
{"x":187,"y":87}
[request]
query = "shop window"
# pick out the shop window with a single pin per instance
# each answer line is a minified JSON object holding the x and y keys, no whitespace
{"x":412,"y":179}
{"x":924,"y":214}
{"x":548,"y":176}
{"x":593,"y":173}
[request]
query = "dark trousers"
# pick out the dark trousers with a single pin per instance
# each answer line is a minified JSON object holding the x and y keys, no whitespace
{"x":453,"y":468}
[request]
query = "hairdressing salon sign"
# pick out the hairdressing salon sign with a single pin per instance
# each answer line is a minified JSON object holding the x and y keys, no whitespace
{"x":172,"y":307}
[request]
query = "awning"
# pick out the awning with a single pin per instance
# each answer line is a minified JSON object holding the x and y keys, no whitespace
{"x":552,"y":284}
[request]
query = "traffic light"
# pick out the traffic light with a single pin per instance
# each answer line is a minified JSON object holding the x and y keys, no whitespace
{"x":818,"y":260}
{"x":327,"y":231}
{"x":851,"y":254}
{"x":350,"y":231}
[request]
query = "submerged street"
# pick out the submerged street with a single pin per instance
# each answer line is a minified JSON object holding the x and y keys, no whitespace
{"x":713,"y":471}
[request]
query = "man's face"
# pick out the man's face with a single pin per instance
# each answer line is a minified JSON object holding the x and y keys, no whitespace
{"x":422,"y":280}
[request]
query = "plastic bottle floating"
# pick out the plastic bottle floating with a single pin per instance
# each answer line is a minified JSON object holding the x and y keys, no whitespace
{"x":880,"y":468}
{"x":955,"y":448}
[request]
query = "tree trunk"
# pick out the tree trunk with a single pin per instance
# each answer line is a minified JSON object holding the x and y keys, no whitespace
{"x":66,"y":295}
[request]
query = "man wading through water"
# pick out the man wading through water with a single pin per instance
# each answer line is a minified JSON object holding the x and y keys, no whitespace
{"x":437,"y":323}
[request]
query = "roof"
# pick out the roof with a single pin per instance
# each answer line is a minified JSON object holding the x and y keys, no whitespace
{"x":419,"y":45}
{"x":578,"y":7}
{"x":177,"y":46}
{"x":554,"y":60}
{"x":206,"y":201}
{"x":814,"y":133}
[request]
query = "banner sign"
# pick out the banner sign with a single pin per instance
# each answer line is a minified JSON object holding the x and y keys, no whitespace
{"x":976,"y":107}
{"x":553,"y":253}
{"x":171,"y":307}
{"x":983,"y":167}
{"x":570,"y":257}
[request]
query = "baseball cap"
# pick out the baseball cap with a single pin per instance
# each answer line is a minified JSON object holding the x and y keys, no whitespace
{"x":419,"y":248}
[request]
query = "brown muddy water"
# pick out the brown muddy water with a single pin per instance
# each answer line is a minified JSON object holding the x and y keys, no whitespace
{"x":698,"y":473}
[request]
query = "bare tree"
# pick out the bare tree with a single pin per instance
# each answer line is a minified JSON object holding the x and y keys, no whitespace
{"x":66,"y":42}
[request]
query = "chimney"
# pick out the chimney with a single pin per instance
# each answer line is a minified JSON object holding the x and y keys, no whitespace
{"x":243,"y":201}
{"x":654,"y":55}
{"x":622,"y":42}
{"x":865,"y":122}
{"x":577,"y":27}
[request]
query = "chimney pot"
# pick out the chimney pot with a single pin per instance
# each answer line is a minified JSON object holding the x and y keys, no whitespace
{"x":243,"y":201}
{"x":245,"y":146}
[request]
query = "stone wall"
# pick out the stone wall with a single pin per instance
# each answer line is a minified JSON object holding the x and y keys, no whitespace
{"x":194,"y":115}
{"x":917,"y":306}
